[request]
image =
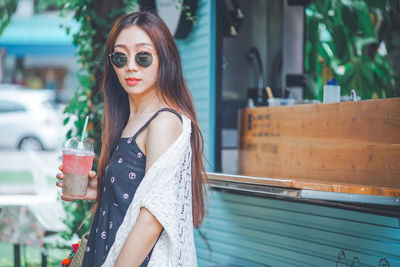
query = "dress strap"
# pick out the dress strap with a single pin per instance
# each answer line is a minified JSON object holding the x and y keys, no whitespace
{"x":155,"y":115}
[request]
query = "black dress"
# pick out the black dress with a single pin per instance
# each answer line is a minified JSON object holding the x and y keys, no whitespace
{"x":122,"y":177}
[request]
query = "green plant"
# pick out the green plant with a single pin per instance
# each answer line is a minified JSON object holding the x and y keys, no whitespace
{"x":346,"y":39}
{"x":7,"y":9}
{"x":89,"y":40}
{"x":95,"y":18}
{"x":187,"y":11}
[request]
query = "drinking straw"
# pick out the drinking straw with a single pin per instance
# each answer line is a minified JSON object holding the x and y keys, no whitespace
{"x":84,"y":128}
{"x":80,"y":145}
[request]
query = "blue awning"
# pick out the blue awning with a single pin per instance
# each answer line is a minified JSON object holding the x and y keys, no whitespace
{"x":40,"y":34}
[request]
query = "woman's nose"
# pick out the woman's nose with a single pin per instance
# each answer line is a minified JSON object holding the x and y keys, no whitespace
{"x":132,"y":66}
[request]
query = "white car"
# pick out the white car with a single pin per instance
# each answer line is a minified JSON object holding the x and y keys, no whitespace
{"x":29,"y":120}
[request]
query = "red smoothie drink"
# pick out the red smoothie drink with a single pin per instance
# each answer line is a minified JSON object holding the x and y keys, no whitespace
{"x":77,"y":163}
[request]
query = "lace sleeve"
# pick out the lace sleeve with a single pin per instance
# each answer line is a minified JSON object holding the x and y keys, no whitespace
{"x":170,"y":201}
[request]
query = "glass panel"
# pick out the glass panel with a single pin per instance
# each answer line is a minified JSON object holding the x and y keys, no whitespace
{"x":9,"y":106}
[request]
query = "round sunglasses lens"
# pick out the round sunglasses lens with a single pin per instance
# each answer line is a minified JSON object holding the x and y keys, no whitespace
{"x":119,"y":59}
{"x":144,"y":59}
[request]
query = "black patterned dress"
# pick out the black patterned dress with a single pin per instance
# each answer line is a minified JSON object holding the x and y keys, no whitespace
{"x":122,"y":177}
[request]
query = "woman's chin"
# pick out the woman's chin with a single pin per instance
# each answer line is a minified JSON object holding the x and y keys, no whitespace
{"x":135,"y":90}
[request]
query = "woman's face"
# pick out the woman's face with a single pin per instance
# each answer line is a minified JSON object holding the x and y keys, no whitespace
{"x":134,"y":78}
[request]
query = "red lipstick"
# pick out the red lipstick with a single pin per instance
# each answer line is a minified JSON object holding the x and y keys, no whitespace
{"x":132,"y":81}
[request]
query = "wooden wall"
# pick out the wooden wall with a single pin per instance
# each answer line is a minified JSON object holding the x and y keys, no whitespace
{"x":351,"y":142}
{"x":198,"y":61}
{"x":242,"y":230}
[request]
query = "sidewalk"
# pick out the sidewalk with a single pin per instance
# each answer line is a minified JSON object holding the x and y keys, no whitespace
{"x":28,"y":172}
{"x":30,"y":212}
{"x":17,"y":160}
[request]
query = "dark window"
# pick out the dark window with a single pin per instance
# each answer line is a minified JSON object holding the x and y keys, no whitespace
{"x":9,"y":106}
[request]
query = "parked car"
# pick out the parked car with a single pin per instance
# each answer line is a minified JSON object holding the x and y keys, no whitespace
{"x":5,"y":86}
{"x":29,"y":119}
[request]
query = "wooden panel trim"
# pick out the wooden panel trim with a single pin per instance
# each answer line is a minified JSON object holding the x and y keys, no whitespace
{"x":355,"y":143}
{"x":367,"y":121}
{"x":308,"y":185}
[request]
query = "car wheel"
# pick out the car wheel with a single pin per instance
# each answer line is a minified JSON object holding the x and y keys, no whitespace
{"x":30,"y":143}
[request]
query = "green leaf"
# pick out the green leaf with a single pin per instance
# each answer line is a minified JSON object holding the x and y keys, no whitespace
{"x":66,"y":120}
{"x":340,"y":40}
{"x":377,"y":4}
{"x":7,"y":9}
{"x":326,"y":51}
{"x":361,"y":42}
{"x":350,"y":24}
{"x":364,"y":19}
{"x":366,"y":68}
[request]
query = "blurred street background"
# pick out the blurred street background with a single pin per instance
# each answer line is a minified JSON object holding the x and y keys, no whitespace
{"x":38,"y":74}
{"x":235,"y":54}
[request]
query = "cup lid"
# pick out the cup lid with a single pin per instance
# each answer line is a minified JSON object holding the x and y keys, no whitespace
{"x":75,"y":143}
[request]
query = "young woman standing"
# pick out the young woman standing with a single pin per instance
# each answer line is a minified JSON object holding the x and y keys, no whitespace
{"x":149,"y":188}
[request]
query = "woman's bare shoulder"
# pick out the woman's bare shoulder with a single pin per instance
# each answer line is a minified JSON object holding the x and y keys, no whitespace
{"x":162,"y":133}
{"x":166,"y":123}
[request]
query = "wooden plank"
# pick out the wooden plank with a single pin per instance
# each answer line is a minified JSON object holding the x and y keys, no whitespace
{"x":370,"y":121}
{"x":355,"y":143}
{"x":250,"y":179}
{"x":361,"y":164}
{"x":309,"y":185}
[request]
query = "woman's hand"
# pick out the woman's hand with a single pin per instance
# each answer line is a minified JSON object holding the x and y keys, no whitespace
{"x":91,"y":193}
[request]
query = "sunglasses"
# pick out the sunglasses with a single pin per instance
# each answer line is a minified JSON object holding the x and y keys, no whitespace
{"x":119,"y":60}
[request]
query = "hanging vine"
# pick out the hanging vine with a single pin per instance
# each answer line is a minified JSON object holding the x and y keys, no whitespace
{"x":7,"y":9}
{"x":95,"y":18}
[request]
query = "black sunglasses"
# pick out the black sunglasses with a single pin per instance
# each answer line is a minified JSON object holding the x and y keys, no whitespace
{"x":119,"y":60}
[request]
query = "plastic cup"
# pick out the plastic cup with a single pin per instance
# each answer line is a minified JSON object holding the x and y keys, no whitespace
{"x":77,"y":162}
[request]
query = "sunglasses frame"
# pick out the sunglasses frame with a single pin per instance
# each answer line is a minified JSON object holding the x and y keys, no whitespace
{"x":127,"y":59}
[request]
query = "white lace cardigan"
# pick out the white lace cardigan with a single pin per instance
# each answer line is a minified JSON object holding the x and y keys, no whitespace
{"x":166,"y":191}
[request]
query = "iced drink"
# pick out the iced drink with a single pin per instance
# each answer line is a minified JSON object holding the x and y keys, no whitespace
{"x":77,"y":163}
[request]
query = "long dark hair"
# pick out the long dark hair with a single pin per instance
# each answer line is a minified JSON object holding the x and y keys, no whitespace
{"x":170,"y":86}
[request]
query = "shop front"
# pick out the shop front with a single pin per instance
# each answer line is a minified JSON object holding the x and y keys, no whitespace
{"x":37,"y":53}
{"x":308,"y":184}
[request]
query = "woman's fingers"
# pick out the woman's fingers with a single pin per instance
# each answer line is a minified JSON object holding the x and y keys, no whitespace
{"x":92,"y":189}
{"x":66,"y":198}
{"x":92,"y":179}
{"x":60,"y":176}
{"x":92,"y":175}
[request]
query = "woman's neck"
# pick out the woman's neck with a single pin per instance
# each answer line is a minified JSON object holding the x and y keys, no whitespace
{"x":144,"y":104}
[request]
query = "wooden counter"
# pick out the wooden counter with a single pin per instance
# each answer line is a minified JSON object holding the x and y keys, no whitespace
{"x":318,"y":184}
{"x":308,"y":185}
{"x":264,"y":222}
{"x":351,"y":147}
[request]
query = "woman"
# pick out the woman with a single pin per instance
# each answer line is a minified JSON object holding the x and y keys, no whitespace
{"x":149,"y":191}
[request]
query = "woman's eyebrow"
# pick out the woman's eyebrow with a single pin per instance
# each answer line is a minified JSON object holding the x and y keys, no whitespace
{"x":144,"y":44}
{"x":139,"y":44}
{"x":120,"y":45}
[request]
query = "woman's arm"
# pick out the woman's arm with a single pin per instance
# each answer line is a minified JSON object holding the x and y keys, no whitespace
{"x":161,"y":134}
{"x":140,"y":240}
